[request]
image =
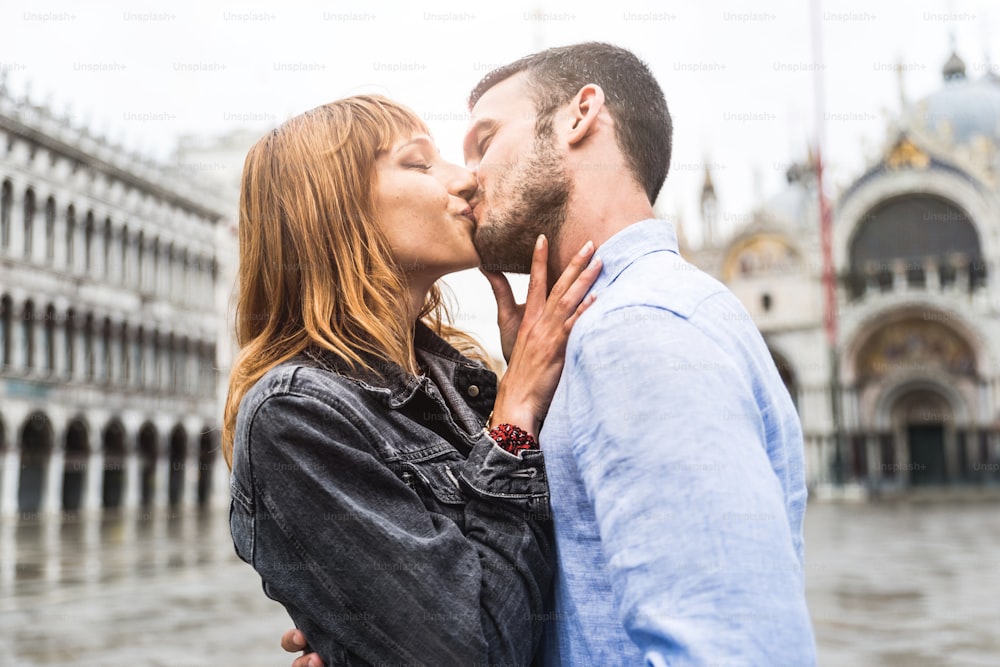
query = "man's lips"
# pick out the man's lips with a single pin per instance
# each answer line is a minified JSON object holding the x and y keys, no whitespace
{"x":470,"y":214}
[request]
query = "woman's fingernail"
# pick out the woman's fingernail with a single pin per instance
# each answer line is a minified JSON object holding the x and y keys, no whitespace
{"x":540,"y":241}
{"x":587,"y":247}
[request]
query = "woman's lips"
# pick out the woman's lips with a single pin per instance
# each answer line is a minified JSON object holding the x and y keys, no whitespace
{"x":470,"y":214}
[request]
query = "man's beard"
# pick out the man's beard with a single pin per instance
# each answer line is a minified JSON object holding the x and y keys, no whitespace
{"x":529,"y":200}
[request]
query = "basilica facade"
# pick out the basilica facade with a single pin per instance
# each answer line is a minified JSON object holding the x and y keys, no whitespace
{"x":110,"y":321}
{"x":914,"y":373}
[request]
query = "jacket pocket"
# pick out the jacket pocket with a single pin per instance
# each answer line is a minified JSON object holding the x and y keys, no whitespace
{"x":241,"y":527}
{"x":435,"y":479}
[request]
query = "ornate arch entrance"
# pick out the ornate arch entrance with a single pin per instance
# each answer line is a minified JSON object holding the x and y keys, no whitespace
{"x":36,"y":450}
{"x":916,"y":378}
{"x":924,"y":424}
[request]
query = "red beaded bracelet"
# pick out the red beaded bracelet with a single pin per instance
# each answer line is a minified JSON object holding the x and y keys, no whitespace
{"x":512,"y":438}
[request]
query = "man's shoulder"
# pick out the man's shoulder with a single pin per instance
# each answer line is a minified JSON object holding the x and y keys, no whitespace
{"x":658,"y":280}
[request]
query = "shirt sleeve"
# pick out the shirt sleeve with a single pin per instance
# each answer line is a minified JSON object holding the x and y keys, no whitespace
{"x":366,"y":571}
{"x":669,"y":443}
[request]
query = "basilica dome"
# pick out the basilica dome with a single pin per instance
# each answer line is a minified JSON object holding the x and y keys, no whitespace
{"x":963,"y":109}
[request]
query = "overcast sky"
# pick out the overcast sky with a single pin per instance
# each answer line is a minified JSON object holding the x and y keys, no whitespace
{"x":738,"y":76}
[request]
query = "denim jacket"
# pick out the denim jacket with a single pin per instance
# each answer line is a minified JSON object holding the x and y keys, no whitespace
{"x":390,"y":526}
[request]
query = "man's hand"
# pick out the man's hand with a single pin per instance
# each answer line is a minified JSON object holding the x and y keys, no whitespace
{"x":294,"y":641}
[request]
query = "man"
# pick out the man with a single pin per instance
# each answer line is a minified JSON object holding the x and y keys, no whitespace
{"x":672,"y":448}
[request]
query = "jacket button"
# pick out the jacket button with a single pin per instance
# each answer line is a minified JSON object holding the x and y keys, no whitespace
{"x":473,"y":390}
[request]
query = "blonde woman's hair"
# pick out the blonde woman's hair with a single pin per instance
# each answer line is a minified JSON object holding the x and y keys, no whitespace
{"x":315,"y":269}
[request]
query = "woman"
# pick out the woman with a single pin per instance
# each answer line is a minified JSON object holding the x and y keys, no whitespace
{"x":365,"y":490}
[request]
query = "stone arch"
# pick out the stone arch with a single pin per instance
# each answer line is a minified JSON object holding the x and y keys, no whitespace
{"x":923,"y":418}
{"x":760,"y":254}
{"x":913,"y":338}
{"x":912,"y":232}
{"x":178,"y":465}
{"x":148,"y":454}
{"x":75,"y":465}
{"x":36,"y":452}
{"x":113,"y":482}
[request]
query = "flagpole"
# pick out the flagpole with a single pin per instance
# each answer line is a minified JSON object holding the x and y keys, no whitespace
{"x":829,"y":276}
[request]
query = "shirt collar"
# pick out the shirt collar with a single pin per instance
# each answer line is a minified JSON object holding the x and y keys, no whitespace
{"x":628,"y":245}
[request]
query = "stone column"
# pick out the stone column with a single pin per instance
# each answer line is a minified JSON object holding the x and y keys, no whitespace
{"x":931,"y":275}
{"x":898,"y":275}
{"x":52,"y":493}
{"x":11,"y":478}
{"x":162,"y":486}
{"x":133,"y":480}
{"x":93,"y":490}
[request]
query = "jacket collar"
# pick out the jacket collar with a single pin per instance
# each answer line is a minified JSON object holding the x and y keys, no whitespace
{"x":442,"y":363}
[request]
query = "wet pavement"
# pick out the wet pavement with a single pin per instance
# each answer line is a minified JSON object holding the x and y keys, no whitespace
{"x":888,"y":584}
{"x":905,"y":584}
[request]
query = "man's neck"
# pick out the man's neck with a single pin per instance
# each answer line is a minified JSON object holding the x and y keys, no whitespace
{"x":595,"y":221}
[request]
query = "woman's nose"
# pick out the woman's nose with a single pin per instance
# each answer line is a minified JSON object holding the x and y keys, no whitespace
{"x":463,"y":182}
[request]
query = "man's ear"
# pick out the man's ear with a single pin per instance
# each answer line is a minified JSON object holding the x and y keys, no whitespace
{"x":584,"y":109}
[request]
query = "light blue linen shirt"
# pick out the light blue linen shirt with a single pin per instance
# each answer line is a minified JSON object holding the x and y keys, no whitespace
{"x":674,"y":458}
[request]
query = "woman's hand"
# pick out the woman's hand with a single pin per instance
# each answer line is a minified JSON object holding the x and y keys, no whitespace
{"x":542,"y":326}
{"x":294,"y":641}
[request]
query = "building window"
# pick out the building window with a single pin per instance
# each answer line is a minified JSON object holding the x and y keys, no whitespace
{"x":6,"y":203}
{"x":155,"y":269}
{"x":88,"y":348}
{"x":50,"y":230}
{"x":70,"y":342}
{"x":124,"y":350}
{"x":106,"y":248}
{"x":70,"y":236}
{"x":6,"y":328}
{"x":88,"y":242}
{"x":124,"y":273}
{"x":29,"y":220}
{"x":106,"y":368}
{"x":138,"y":356}
{"x":140,"y":245}
{"x":27,"y":335}
{"x":49,"y":346}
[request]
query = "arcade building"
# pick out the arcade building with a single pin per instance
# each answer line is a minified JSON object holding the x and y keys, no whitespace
{"x":109,"y":325}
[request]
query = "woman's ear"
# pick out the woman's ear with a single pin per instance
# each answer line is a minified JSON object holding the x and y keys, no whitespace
{"x":584,"y":110}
